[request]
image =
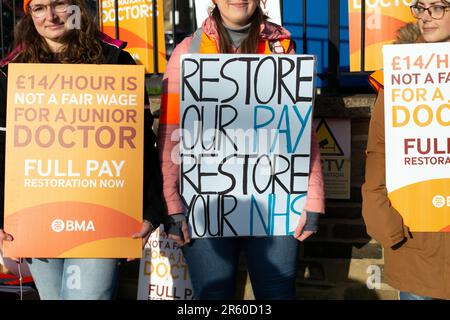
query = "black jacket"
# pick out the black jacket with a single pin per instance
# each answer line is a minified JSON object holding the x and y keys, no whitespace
{"x":153,"y":205}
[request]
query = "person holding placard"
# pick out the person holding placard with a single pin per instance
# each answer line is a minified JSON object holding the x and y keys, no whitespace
{"x":49,"y":33}
{"x":234,"y":26}
{"x":416,"y":263}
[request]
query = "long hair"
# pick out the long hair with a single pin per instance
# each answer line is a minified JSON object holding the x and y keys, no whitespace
{"x":409,"y":33}
{"x":80,"y":45}
{"x":250,"y":43}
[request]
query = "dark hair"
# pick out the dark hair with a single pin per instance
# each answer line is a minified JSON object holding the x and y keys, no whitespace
{"x":79,"y":45}
{"x":250,"y":43}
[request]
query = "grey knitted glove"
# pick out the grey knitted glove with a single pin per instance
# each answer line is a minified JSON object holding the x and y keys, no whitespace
{"x":312,"y":221}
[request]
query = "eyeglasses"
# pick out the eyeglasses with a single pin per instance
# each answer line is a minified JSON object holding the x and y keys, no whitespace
{"x":40,"y":10}
{"x":436,"y":12}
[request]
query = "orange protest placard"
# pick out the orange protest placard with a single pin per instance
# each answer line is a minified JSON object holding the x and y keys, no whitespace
{"x":74,"y":160}
{"x":382,"y":20}
{"x":136,"y":28}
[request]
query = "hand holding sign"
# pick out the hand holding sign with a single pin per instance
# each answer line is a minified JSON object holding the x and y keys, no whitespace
{"x":299,"y":234}
{"x":144,"y":234}
{"x":146,"y":231}
{"x":179,"y":232}
{"x":6,"y":237}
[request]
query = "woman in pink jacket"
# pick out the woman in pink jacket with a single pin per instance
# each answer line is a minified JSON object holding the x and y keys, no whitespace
{"x":234,"y":26}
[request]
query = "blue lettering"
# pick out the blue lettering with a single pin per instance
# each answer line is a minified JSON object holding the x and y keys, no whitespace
{"x":273,"y":214}
{"x":257,"y":125}
{"x":287,"y":130}
{"x":294,"y":211}
{"x":303,"y":121}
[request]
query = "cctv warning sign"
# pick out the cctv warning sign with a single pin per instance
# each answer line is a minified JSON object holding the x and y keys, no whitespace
{"x":333,"y":136}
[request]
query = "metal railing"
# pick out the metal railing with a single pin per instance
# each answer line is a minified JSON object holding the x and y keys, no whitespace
{"x":334,"y":73}
{"x":11,"y":11}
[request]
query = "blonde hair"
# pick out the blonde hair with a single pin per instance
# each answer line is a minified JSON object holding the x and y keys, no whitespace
{"x":409,"y":33}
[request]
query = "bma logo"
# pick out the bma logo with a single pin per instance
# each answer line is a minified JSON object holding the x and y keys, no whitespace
{"x":59,"y":225}
{"x":441,"y":201}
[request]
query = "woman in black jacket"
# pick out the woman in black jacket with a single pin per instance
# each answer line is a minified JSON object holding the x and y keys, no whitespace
{"x":44,"y":35}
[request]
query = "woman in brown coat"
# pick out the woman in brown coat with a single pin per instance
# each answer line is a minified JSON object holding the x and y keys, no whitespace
{"x":416,"y":263}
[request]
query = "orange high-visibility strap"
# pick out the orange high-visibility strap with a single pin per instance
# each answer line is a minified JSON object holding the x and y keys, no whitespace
{"x":286,"y":44}
{"x":376,"y":80}
{"x":208,"y":45}
{"x":263,"y":47}
{"x":170,"y":108}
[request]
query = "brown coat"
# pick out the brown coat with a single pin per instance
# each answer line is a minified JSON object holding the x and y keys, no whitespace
{"x":418,"y":263}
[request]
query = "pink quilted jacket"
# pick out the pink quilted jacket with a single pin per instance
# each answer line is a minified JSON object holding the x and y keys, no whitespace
{"x":169,"y":121}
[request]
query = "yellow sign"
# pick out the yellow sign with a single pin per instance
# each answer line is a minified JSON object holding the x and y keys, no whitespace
{"x":74,"y":160}
{"x":383,"y":19}
{"x":327,"y":142}
{"x":333,"y":136}
{"x":136,"y":28}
